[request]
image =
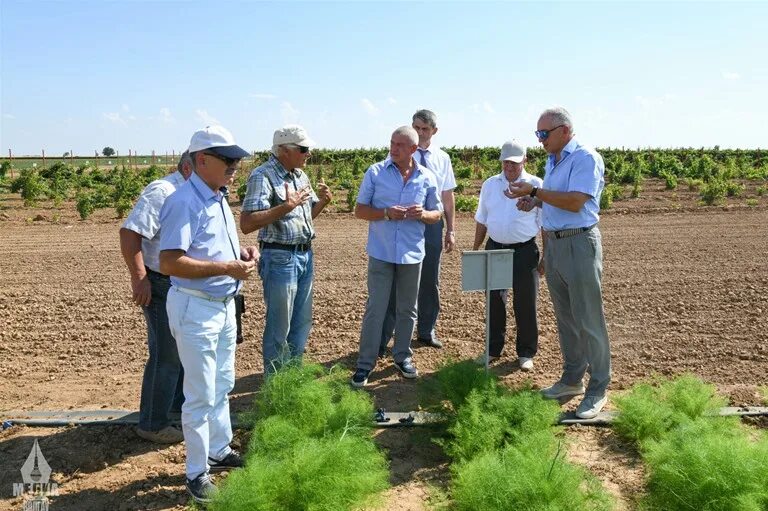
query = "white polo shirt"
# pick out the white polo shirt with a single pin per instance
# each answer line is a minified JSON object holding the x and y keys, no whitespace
{"x":144,"y":219}
{"x":506,"y":224}
{"x":438,"y":162}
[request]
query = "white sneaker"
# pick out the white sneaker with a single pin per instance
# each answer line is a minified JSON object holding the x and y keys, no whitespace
{"x":481,"y":360}
{"x":591,"y":406}
{"x":560,"y":390}
{"x":526,"y":364}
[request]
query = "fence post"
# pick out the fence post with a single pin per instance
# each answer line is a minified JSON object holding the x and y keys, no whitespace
{"x":10,"y":157}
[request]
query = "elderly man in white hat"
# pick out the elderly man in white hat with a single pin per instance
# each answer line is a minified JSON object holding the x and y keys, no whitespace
{"x":200,"y":250}
{"x":509,"y":227}
{"x":281,"y":203}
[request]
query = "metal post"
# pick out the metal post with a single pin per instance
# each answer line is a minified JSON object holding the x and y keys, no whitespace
{"x":487,"y":310}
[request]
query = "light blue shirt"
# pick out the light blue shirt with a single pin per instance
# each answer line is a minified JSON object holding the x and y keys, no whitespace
{"x":397,"y":241}
{"x":198,"y":221}
{"x":580,"y":169}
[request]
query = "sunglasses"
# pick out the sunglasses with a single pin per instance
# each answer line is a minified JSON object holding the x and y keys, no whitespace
{"x":302,"y":149}
{"x":544,"y":134}
{"x":229,"y":162}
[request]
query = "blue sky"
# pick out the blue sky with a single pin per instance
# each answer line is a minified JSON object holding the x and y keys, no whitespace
{"x":144,"y":75}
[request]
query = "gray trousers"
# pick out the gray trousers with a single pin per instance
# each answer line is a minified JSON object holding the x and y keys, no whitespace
{"x":429,"y":288}
{"x":383,"y":277}
{"x":574,"y":268}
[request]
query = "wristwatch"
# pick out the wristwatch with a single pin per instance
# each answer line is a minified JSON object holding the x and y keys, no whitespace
{"x":386,"y":213}
{"x":533,"y":191}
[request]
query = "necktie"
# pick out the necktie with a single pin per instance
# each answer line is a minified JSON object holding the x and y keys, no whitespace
{"x":423,"y":157}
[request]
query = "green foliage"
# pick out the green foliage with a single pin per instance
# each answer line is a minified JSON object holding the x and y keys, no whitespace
{"x":352,"y":195}
{"x":453,"y":382}
{"x":462,"y":185}
{"x":713,"y":191}
{"x":709,"y":464}
{"x":85,"y":202}
{"x":670,"y":180}
{"x":4,"y":168}
{"x":733,"y":189}
{"x":463,"y":172}
{"x":760,"y":190}
{"x":311,"y":446}
{"x":611,"y":192}
{"x":636,"y":189}
{"x":650,"y":410}
{"x":108,"y":151}
{"x":466,"y":203}
{"x":532,"y":474}
{"x":752,"y":202}
{"x":492,"y":417}
{"x":31,"y":186}
{"x":326,"y":474}
{"x":764,"y":391}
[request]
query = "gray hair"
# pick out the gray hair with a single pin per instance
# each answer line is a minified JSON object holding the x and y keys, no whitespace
{"x":558,"y":115}
{"x":185,"y":158}
{"x":427,"y":116}
{"x":408,"y":132}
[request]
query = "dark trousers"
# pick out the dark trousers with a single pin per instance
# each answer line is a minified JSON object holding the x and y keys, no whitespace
{"x":525,"y":287}
{"x":162,"y":385}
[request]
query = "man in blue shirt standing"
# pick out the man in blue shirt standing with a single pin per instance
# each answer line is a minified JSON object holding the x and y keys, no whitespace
{"x":398,"y":197}
{"x":200,"y":250}
{"x":573,"y":258}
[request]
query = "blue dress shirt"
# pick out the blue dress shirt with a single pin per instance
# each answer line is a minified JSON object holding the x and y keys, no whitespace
{"x":397,"y":241}
{"x":198,"y":221}
{"x":580,"y":169}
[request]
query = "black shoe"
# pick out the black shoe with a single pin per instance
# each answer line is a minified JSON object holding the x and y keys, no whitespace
{"x":360,"y":378}
{"x":407,"y":368}
{"x":433,"y":341}
{"x":202,"y":489}
{"x":230,"y":461}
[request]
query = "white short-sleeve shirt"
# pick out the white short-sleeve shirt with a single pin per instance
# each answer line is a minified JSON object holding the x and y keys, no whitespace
{"x":506,"y":224}
{"x":144,"y":219}
{"x":438,"y":162}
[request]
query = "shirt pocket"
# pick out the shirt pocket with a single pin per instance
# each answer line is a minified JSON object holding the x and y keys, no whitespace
{"x":413,"y":195}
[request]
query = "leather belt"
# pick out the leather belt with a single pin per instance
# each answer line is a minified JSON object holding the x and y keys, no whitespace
{"x":299,"y":247}
{"x":566,"y":233}
{"x":513,"y":245}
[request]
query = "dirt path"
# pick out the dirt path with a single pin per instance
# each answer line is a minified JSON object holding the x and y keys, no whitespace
{"x":684,"y":291}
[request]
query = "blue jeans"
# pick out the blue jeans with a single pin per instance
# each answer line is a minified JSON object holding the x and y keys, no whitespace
{"x":161,"y":388}
{"x":287,"y":280}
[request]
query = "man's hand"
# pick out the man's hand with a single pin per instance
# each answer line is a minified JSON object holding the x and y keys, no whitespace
{"x":323,"y":192}
{"x":526,"y":203}
{"x":297,"y":198}
{"x":397,"y":212}
{"x":415,"y":212}
{"x":241,"y":270}
{"x":450,"y":241}
{"x":250,"y":253}
{"x":518,"y":189}
{"x":142,"y":290}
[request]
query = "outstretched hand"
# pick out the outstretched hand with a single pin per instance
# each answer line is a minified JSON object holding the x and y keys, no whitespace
{"x":298,"y":197}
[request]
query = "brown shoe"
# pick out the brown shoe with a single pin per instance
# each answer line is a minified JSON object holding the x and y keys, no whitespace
{"x":167,"y":435}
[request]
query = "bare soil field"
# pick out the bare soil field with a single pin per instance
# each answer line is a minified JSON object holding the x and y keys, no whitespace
{"x":685,"y":290}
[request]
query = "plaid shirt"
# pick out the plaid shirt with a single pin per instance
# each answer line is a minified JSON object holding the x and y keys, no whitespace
{"x":266,"y":189}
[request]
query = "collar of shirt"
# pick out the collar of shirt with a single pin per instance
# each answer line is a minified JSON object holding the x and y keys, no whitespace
{"x":524,"y":176}
{"x":202,"y":189}
{"x":568,"y":149}
{"x":416,"y":166}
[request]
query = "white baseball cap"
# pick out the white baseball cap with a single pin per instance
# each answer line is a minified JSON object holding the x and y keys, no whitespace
{"x":513,"y":151}
{"x":216,"y":139}
{"x":292,"y":134}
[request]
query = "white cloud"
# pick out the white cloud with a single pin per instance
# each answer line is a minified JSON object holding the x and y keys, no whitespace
{"x":9,"y":116}
{"x":262,"y":96}
{"x":165,"y":115}
{"x":488,"y":108}
{"x":369,"y":107}
{"x":288,"y":112}
{"x":730,"y":75}
{"x":207,"y":118}
{"x":392,"y":101}
{"x":114,"y":117}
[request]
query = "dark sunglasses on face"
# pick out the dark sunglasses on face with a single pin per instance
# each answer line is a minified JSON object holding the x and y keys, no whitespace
{"x":302,"y":149}
{"x":229,"y":162}
{"x":544,"y":134}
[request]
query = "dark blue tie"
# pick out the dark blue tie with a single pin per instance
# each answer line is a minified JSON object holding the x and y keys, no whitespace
{"x":423,"y":154}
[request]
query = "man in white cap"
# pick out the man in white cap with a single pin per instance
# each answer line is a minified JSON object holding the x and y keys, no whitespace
{"x":281,"y":202}
{"x":200,"y":250}
{"x":161,"y":387}
{"x":508,"y":227}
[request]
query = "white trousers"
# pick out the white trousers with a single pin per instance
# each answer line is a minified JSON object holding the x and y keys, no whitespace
{"x":205,"y":334}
